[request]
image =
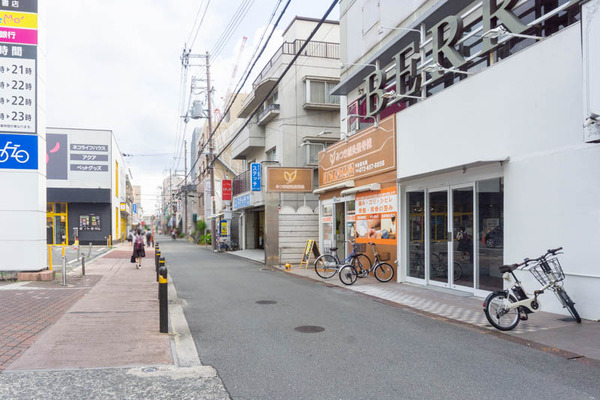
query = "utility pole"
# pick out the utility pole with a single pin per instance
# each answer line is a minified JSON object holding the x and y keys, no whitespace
{"x":213,"y":223}
{"x":185,"y":219}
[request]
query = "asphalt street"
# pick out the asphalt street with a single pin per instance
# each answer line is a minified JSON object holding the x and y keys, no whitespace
{"x":245,"y":321}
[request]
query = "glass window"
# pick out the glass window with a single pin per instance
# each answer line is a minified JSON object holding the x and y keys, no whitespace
{"x":490,"y":194}
{"x":327,"y":226}
{"x":320,"y":93}
{"x":416,"y":225}
{"x":272,"y":154}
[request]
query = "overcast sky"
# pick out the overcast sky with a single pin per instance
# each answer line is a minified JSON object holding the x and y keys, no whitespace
{"x":116,"y":65}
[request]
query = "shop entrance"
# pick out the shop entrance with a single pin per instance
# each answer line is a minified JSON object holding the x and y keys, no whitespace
{"x":447,"y":235}
{"x":259,"y":224}
{"x":56,"y":223}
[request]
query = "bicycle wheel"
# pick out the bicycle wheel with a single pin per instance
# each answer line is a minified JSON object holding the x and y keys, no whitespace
{"x":567,"y":302}
{"x":384,"y":272}
{"x":326,"y":266}
{"x":348,"y":274}
{"x":499,"y":317}
{"x":362,"y":263}
{"x":457,"y":271}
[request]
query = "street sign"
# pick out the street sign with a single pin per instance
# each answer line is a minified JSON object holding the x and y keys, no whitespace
{"x":18,"y":151}
{"x":224,"y":228}
{"x":226,"y":188}
{"x":255,"y":170}
{"x":134,"y":208}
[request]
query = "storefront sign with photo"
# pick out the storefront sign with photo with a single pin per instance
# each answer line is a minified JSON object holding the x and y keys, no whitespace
{"x":367,"y":153}
{"x":376,"y":216}
{"x":297,"y":180}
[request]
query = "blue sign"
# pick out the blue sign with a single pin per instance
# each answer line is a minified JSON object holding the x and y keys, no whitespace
{"x":19,"y":151}
{"x":241,"y":201}
{"x":134,"y":208}
{"x":256,"y":172}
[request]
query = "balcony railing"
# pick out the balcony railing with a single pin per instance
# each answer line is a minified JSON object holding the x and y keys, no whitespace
{"x":242,"y":183}
{"x":313,"y":49}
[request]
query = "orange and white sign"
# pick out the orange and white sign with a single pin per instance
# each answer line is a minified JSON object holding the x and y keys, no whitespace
{"x":376,"y":216}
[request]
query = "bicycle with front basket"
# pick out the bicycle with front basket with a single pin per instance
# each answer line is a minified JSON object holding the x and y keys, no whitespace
{"x":504,"y":309}
{"x":327,"y":265}
{"x":383,"y":271}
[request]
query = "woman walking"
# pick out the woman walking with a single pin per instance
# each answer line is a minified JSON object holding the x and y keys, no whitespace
{"x":138,"y":248}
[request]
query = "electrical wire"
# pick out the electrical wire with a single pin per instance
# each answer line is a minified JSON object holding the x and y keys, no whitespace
{"x":199,"y":26}
{"x":244,"y":81}
{"x":231,"y":27}
{"x":312,"y":34}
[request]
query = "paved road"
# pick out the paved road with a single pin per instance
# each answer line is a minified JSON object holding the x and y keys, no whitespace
{"x":368,"y":349}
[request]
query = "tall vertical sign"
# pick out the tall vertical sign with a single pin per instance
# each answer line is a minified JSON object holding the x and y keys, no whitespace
{"x":22,"y":139}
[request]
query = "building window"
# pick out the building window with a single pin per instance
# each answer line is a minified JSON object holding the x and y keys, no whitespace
{"x":312,"y":153}
{"x":272,"y":154}
{"x":318,"y":92}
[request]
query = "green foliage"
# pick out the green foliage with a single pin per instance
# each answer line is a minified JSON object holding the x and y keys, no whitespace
{"x":205,"y":239}
{"x":201,"y":226}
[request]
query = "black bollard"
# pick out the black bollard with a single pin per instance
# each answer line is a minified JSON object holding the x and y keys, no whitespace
{"x":163,"y":298}
{"x":161,"y":263}
{"x":157,"y":255}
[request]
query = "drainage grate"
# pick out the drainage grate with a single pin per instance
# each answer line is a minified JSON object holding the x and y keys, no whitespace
{"x":309,"y":329}
{"x":266,"y":302}
{"x":149,"y":369}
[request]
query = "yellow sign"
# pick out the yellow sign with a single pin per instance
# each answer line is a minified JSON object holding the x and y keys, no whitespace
{"x":311,"y":245}
{"x":18,"y":20}
{"x":223,"y":228}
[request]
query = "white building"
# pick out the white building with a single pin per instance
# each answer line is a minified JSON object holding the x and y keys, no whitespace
{"x":503,"y":150}
{"x":297,"y":120}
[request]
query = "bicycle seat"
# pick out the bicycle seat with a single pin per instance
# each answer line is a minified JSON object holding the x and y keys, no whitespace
{"x":333,"y":248}
{"x":507,"y":268}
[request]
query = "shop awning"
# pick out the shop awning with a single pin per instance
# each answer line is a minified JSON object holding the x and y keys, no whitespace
{"x":365,"y":188}
{"x":346,"y":184}
{"x":460,"y":167}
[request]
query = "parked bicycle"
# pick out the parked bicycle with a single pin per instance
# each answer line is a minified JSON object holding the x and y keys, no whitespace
{"x":327,"y":265}
{"x":383,"y":271}
{"x":504,"y":309}
{"x":439,"y":265}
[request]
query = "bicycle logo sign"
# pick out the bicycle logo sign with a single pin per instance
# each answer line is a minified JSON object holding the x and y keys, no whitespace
{"x":21,"y":156}
{"x":18,"y":152}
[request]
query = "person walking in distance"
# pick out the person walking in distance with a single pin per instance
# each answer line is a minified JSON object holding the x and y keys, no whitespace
{"x":148,"y":237}
{"x":138,"y":248}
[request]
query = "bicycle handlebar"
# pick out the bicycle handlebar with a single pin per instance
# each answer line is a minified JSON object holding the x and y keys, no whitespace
{"x":552,"y":252}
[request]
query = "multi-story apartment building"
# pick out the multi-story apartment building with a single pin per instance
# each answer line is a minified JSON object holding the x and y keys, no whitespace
{"x":288,"y":119}
{"x":492,"y":109}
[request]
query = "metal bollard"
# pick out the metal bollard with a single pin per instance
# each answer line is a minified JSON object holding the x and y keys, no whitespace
{"x":163,"y":298}
{"x":157,"y":257}
{"x":90,"y":250}
{"x":64,"y":271}
{"x":161,"y":263}
{"x":83,"y":264}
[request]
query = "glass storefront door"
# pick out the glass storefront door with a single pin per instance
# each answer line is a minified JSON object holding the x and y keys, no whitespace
{"x":462,"y":238}
{"x":438,"y":236}
{"x":454,"y":235}
{"x":56,"y":223}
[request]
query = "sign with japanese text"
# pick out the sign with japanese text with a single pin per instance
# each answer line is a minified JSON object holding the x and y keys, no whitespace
{"x":18,"y":152}
{"x":226,"y":189}
{"x":241,"y":201}
{"x":256,"y":172}
{"x":19,"y":5}
{"x":90,"y":222}
{"x":376,"y":216}
{"x":367,"y":153}
{"x":280,"y":179}
{"x":17,"y":88}
{"x":224,"y":228}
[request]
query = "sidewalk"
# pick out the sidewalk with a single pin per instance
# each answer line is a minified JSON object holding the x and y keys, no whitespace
{"x":99,"y":330}
{"x":546,"y":331}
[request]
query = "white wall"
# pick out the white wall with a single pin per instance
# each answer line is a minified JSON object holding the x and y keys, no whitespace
{"x":23,"y":203}
{"x":528,"y":108}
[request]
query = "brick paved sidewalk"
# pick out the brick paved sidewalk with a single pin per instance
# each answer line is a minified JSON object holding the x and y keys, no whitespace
{"x":28,"y":308}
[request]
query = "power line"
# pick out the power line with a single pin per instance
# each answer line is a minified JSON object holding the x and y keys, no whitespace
{"x":298,"y":54}
{"x":200,"y":25}
{"x":244,"y":81}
